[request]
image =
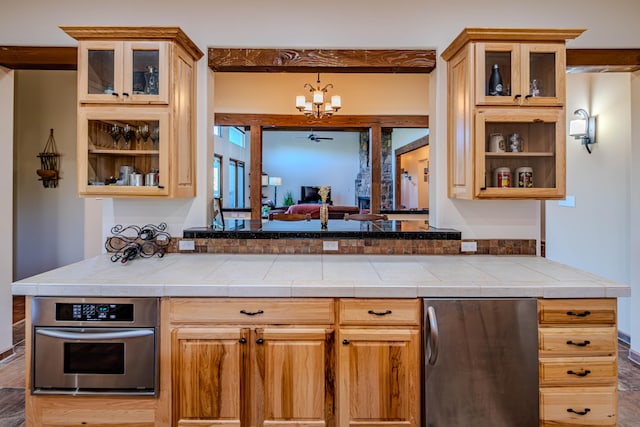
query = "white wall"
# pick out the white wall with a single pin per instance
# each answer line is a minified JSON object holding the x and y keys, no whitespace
{"x":633,"y":306}
{"x":298,"y":161}
{"x":49,"y":222}
{"x":6,"y":212}
{"x":594,"y":235}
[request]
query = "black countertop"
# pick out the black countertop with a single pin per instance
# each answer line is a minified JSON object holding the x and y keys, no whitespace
{"x":337,"y":228}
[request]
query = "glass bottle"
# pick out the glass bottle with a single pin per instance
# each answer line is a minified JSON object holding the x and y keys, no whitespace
{"x":495,"y":82}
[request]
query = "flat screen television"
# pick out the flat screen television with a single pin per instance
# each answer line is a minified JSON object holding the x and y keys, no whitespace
{"x":309,"y":194}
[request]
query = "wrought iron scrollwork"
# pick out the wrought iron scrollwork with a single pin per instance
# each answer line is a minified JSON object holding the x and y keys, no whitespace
{"x":131,"y":241}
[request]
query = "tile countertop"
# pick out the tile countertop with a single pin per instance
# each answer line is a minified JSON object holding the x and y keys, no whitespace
{"x":365,"y":276}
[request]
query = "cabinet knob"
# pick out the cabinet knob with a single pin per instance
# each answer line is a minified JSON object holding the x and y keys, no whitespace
{"x":579,"y":344}
{"x":579,"y":412}
{"x":528,"y":96}
{"x":345,"y":341}
{"x":125,"y":94}
{"x":518,"y":96}
{"x":115,"y":94}
{"x":583,"y":314}
{"x":579,"y":374}
{"x":259,"y":341}
{"x":243,"y":340}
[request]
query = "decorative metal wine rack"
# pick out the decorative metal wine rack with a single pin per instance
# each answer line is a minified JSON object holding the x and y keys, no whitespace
{"x":131,"y":241}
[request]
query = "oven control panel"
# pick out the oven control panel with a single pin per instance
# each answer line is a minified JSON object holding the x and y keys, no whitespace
{"x":94,"y":312}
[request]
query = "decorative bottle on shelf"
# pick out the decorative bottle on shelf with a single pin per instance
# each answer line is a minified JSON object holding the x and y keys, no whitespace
{"x":495,"y":82}
{"x":323,"y":192}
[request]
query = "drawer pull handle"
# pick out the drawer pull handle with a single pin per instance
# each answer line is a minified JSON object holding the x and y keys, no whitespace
{"x":583,"y":314}
{"x":579,"y":374}
{"x":243,"y":340}
{"x":345,"y":341}
{"x":579,"y":344}
{"x":251,"y":313}
{"x":380,"y":313}
{"x":579,"y":412}
{"x":259,"y":341}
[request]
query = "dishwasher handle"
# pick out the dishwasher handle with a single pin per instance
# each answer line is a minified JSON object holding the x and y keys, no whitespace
{"x":432,"y":338}
{"x":84,"y":336}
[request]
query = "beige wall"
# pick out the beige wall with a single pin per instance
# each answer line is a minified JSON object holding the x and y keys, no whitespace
{"x":594,"y":235}
{"x":6,"y":213}
{"x":275,"y":93}
{"x":49,"y":222}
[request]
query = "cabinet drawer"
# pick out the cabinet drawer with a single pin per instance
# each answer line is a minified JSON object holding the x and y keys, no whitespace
{"x":595,"y":406}
{"x":578,"y":371}
{"x":577,"y":341}
{"x":577,"y":311}
{"x":252,"y":311}
{"x":379,"y":312}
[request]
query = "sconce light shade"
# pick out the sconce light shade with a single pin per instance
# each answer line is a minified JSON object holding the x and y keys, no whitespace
{"x":583,"y":128}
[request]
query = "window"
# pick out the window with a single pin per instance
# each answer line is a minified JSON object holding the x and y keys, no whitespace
{"x":236,"y":184}
{"x":217,"y":175}
{"x":236,"y":136}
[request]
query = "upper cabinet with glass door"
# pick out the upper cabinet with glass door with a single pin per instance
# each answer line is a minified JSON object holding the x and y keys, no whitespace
{"x":506,"y":113}
{"x":530,"y":74}
{"x":136,"y":111}
{"x":123,"y":72}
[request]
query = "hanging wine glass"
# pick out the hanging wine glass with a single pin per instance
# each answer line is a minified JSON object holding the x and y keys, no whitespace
{"x":115,"y":134}
{"x":143,"y":133}
{"x":155,"y":135}
{"x":128,"y":134}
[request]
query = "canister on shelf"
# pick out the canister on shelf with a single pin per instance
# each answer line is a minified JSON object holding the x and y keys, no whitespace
{"x":502,"y":177}
{"x":524,"y":177}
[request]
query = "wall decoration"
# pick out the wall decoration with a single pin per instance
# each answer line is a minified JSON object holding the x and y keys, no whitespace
{"x":49,"y":171}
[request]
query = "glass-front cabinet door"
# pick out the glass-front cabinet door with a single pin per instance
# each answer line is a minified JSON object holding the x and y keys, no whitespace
{"x":520,"y":154}
{"x":123,"y":154}
{"x":123,"y":72}
{"x":521,"y":74}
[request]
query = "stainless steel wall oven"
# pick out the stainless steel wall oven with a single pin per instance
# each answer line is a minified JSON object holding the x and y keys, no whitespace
{"x":95,"y":346}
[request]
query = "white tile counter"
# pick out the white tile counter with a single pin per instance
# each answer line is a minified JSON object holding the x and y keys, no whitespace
{"x":397,"y":276}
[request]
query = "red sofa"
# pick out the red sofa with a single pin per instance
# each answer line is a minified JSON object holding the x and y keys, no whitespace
{"x":335,"y":212}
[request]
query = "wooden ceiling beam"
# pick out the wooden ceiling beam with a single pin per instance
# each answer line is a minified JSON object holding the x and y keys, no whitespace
{"x":337,"y":121}
{"x":322,"y":60}
{"x":39,"y":57}
{"x":602,"y":60}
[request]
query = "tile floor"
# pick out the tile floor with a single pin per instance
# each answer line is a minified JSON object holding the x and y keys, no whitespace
{"x":12,"y":386}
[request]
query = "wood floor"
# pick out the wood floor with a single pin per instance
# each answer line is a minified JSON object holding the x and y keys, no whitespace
{"x":12,"y":387}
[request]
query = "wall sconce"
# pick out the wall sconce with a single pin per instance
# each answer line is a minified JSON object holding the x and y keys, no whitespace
{"x":583,"y":128}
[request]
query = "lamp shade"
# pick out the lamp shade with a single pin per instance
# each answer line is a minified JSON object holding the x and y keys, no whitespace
{"x":275,"y":180}
{"x":265,"y":179}
{"x":578,"y":127}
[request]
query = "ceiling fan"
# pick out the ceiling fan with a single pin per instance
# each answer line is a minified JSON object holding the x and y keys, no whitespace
{"x":315,"y":138}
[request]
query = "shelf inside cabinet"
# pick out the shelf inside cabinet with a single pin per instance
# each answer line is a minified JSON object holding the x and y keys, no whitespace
{"x":116,"y":152}
{"x":520,"y":154}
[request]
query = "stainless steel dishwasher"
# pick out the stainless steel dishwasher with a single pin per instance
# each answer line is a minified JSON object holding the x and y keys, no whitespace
{"x":481,"y":363}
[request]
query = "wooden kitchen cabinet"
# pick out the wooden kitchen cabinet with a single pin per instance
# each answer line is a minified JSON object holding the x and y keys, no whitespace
{"x":136,"y":111}
{"x":252,"y":362}
{"x":379,"y":363}
{"x":533,"y":110}
{"x":577,"y":345}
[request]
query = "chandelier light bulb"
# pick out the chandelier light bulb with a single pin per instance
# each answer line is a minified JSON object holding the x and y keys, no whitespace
{"x":300,"y":101}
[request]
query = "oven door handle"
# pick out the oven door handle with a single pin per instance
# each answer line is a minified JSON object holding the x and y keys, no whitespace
{"x":94,"y":335}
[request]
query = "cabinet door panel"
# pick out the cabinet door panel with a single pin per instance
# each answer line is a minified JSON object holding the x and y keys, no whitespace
{"x":208,"y":374}
{"x":378,"y":377}
{"x":100,"y":71}
{"x":295,"y":366}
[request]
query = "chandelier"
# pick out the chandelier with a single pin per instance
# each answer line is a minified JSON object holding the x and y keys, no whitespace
{"x":317,"y":108}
